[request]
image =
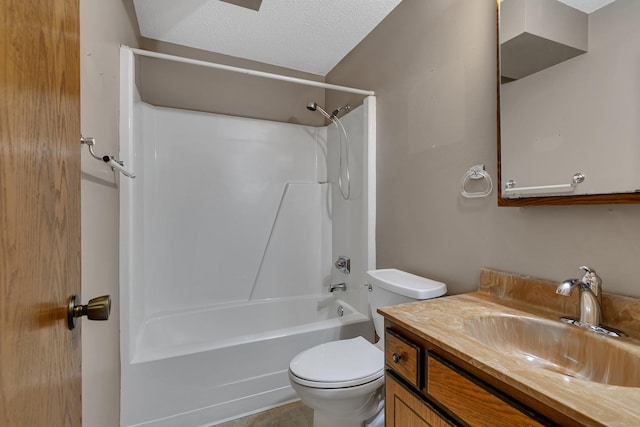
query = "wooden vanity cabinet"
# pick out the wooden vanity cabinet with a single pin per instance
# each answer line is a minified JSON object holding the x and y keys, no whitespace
{"x":427,"y":386}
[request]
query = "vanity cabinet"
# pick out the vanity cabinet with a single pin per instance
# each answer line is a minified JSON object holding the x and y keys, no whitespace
{"x":427,"y":386}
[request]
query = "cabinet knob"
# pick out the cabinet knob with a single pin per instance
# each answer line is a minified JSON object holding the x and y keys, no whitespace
{"x":97,"y":309}
{"x":396,"y":357}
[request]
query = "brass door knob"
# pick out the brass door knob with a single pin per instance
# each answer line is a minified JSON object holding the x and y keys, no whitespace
{"x":97,"y":309}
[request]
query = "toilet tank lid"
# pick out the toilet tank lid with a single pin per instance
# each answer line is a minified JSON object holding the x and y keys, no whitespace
{"x":406,"y":284}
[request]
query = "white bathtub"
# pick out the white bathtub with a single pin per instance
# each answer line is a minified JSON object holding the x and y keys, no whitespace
{"x":210,"y":365}
{"x":177,"y":334}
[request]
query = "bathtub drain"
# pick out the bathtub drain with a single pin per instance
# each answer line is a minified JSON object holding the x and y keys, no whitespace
{"x":340,"y":311}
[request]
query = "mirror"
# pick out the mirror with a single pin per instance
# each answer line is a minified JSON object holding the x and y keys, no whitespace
{"x":569,"y":101}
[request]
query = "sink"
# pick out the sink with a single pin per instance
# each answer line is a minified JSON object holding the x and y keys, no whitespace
{"x":560,"y":348}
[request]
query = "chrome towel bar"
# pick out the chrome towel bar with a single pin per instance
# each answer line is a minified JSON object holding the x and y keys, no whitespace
{"x":511,"y":191}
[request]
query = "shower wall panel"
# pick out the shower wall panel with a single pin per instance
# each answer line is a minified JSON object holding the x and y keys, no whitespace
{"x":232,"y":209}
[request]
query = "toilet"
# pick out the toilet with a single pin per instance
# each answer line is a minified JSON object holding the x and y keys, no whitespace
{"x":343,"y":380}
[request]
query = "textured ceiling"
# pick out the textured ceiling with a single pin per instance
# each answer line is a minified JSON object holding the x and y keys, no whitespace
{"x":305,"y":35}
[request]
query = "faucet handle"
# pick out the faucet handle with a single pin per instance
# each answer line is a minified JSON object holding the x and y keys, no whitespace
{"x":591,"y":279}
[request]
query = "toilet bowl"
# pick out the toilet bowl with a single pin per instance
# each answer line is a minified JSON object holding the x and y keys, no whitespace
{"x":340,"y":378}
{"x":343,"y":380}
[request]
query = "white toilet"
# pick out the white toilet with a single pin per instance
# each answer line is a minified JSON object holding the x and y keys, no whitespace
{"x":343,"y":380}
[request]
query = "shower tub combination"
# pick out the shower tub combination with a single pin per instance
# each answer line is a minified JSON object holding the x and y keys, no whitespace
{"x":227,"y":240}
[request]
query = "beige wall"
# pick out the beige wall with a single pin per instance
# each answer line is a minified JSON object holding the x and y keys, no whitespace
{"x":432,"y":65}
{"x":104,"y":25}
{"x":171,"y":84}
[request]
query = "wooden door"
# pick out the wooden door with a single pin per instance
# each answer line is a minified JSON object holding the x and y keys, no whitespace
{"x":40,"y":379}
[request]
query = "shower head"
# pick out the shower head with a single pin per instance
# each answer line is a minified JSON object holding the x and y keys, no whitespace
{"x":313,"y":106}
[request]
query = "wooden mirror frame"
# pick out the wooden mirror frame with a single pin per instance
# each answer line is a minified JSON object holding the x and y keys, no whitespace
{"x":579,"y":199}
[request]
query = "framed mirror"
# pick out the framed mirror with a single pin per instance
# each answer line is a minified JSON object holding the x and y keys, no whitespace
{"x":569,"y":102}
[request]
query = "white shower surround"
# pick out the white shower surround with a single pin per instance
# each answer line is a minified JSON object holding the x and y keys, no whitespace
{"x":259,"y":272}
{"x":235,"y":209}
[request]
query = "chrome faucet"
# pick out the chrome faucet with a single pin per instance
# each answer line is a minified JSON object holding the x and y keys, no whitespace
{"x":590,"y":287}
{"x":339,"y":286}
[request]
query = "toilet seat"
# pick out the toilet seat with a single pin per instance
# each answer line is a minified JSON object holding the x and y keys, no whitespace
{"x":338,"y":364}
{"x":339,"y":384}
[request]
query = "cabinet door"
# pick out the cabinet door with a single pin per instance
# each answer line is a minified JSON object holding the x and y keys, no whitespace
{"x":405,"y":409}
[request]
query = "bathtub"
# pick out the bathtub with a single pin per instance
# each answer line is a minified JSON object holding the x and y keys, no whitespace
{"x":209,"y":365}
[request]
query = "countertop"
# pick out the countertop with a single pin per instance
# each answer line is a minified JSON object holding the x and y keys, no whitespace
{"x":441,"y":321}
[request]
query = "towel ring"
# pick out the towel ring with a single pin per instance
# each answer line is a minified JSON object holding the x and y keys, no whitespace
{"x":476,"y":172}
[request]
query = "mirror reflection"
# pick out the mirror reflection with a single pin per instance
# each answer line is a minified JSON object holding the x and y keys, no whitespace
{"x":570,"y":97}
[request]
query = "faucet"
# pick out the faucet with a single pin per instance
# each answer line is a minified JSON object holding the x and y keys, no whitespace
{"x":339,"y":286}
{"x":590,"y":287}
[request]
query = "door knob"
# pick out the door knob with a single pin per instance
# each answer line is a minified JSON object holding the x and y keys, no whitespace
{"x":97,"y":309}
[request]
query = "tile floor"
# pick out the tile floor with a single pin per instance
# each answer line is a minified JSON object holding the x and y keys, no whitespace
{"x":294,"y":414}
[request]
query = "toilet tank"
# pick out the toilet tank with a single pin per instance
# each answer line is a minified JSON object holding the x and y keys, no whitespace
{"x":391,"y":287}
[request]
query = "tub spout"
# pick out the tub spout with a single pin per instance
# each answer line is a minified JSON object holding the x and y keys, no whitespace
{"x":339,"y":286}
